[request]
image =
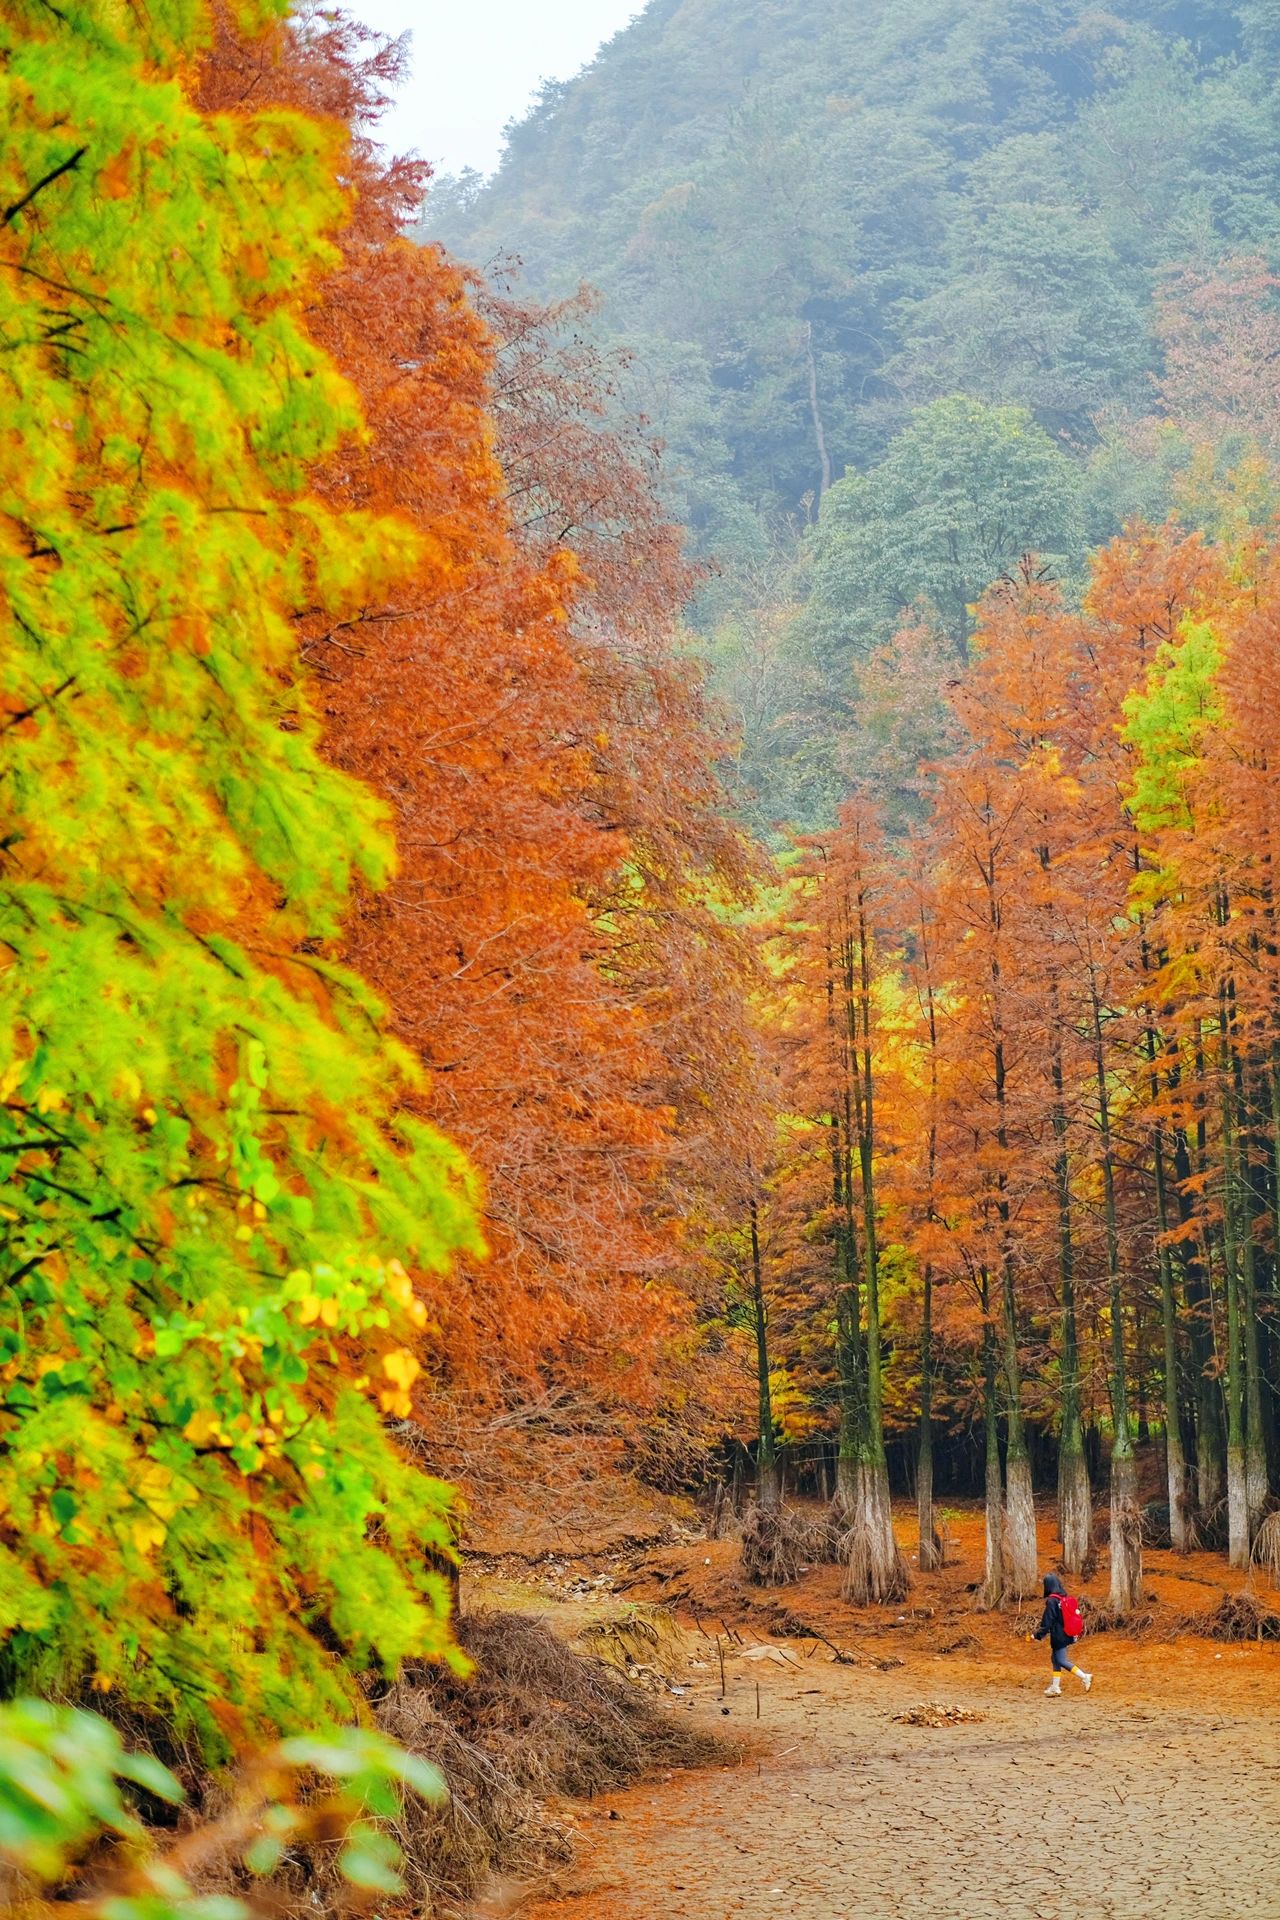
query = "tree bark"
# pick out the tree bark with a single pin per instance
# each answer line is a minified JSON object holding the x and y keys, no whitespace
{"x":993,"y":1581}
{"x":929,"y":1550}
{"x":1075,"y":1496}
{"x":1176,"y":1475}
{"x":815,"y":414}
{"x":875,"y":1570}
{"x":1126,"y":1514}
{"x":1022,"y":1575}
{"x":1238,"y":1529}
{"x":768,"y":1479}
{"x":1210,"y":1469}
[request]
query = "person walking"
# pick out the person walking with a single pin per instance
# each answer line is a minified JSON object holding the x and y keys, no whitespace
{"x":1061,"y":1625}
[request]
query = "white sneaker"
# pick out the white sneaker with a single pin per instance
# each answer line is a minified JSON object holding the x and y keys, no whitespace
{"x":1086,"y":1679}
{"x":1054,"y":1688}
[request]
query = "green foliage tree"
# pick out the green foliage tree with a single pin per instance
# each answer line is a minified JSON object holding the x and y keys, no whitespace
{"x":961,"y":495}
{"x":212,"y":1196}
{"x":1038,"y":310}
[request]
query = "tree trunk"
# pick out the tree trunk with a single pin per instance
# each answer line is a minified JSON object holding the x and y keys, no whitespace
{"x":768,"y":1479}
{"x":815,"y":414}
{"x":1126,"y":1533}
{"x":993,"y":1582}
{"x":1211,"y":1458}
{"x":1075,"y":1508}
{"x":931,"y":1554}
{"x":930,"y":1546}
{"x":851,"y":1368}
{"x":1249,"y":1185}
{"x":1238,"y":1530}
{"x":1256,"y":1478}
{"x":850,"y":1365}
{"x":1210,"y":1474}
{"x":1075,"y":1496}
{"x":1022,"y":1551}
{"x":1178,"y":1479}
{"x":1022,"y":1557}
{"x":875,"y":1570}
{"x":1126,"y":1513}
{"x":1021,"y":1567}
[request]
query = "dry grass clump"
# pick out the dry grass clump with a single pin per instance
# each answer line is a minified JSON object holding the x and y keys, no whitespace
{"x":1266,"y":1548}
{"x":779,"y":1544}
{"x":533,"y":1722}
{"x":1239,"y":1616}
{"x":1137,"y":1621}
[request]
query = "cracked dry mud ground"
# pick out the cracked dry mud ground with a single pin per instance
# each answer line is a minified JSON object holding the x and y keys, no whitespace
{"x":1158,"y":1794}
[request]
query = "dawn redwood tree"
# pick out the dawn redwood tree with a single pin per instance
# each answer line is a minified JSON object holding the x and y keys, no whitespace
{"x":1082,"y":944}
{"x":1143,"y":588}
{"x":977,"y":833}
{"x":835,"y":966}
{"x":1243,"y":767}
{"x":1203,"y":735}
{"x":559,"y":946}
{"x":1189,"y":892}
{"x":582,"y":474}
{"x":916,"y":1174}
{"x":1021,"y":686}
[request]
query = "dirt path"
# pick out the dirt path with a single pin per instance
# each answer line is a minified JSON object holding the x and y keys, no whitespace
{"x":1155,"y":1797}
{"x":1159,"y":1794}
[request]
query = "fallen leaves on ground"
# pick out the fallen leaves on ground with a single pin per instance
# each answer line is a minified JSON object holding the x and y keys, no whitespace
{"x":930,"y":1714}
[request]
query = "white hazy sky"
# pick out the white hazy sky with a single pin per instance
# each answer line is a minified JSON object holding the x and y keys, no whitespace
{"x":476,"y":63}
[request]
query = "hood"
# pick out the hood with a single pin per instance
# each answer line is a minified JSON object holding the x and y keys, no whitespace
{"x":1052,"y":1584}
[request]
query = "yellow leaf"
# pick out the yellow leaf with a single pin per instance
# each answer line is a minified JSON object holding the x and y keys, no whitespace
{"x":201,"y":1427}
{"x":401,"y":1367}
{"x":147,"y":1534}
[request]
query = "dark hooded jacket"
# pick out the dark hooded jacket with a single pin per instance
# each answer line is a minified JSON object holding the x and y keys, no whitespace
{"x":1051,"y":1618}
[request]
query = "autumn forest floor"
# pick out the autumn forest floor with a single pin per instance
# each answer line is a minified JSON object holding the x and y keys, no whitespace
{"x":1156,"y":1794}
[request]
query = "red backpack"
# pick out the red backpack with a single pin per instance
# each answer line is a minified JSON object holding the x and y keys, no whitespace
{"x":1072,"y":1621}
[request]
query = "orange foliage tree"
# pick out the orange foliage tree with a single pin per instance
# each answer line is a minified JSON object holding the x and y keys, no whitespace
{"x":1063,"y":991}
{"x":558,"y":945}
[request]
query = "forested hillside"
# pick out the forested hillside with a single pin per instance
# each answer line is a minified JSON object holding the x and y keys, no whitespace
{"x":821,"y":228}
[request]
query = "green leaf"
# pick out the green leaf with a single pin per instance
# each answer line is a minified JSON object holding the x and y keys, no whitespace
{"x":264,"y":1854}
